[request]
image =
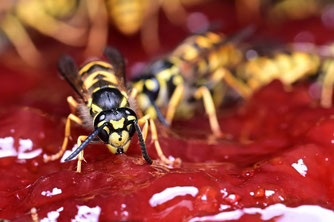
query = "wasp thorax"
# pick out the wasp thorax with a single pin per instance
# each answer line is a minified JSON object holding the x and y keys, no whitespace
{"x":118,"y":128}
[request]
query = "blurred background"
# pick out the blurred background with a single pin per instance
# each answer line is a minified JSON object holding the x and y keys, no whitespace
{"x":33,"y":30}
{"x":34,"y":33}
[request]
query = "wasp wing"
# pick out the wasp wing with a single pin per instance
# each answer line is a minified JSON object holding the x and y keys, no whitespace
{"x":69,"y":70}
{"x":116,"y":59}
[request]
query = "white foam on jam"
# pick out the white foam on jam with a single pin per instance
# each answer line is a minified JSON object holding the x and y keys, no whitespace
{"x":170,"y":193}
{"x":305,"y":213}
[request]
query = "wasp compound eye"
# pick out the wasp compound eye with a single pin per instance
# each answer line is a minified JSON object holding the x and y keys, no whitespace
{"x":104,"y":136}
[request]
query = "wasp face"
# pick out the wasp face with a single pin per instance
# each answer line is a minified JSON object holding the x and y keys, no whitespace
{"x":119,"y":128}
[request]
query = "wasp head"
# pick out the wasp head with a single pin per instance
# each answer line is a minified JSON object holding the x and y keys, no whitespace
{"x":118,"y":128}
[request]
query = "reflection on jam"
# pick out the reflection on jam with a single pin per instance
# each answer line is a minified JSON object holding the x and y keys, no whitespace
{"x":300,"y":167}
{"x":306,"y":213}
{"x":170,"y":193}
{"x":24,"y":151}
{"x":52,"y":215}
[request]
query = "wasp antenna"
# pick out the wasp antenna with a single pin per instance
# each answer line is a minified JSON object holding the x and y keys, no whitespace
{"x":142,"y":144}
{"x":86,"y":142}
{"x":159,"y":114}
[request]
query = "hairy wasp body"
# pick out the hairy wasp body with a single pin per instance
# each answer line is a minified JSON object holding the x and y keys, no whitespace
{"x":193,"y":70}
{"x":105,"y":109}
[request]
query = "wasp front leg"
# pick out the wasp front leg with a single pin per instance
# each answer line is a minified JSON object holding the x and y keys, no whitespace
{"x":148,"y":121}
{"x":34,"y":214}
{"x":70,"y":118}
{"x":81,"y":154}
{"x":73,"y":104}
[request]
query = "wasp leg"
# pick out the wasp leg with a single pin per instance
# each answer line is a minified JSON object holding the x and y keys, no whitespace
{"x":134,"y":93}
{"x":234,"y":83}
{"x":133,"y":101}
{"x":48,"y":25}
{"x":203,"y":92}
{"x":147,"y":120}
{"x":72,"y":103}
{"x":174,"y":11}
{"x":150,"y":28}
{"x":97,"y":36}
{"x":20,"y":39}
{"x":174,"y":102}
{"x":56,"y":156}
{"x":81,"y":154}
{"x":34,"y":214}
{"x":327,"y":86}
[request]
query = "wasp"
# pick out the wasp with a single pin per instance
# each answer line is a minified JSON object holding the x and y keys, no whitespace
{"x":105,"y":109}
{"x":194,"y":70}
{"x":49,"y":17}
{"x":290,"y":64}
{"x":133,"y":16}
{"x":288,"y":67}
{"x":278,"y":11}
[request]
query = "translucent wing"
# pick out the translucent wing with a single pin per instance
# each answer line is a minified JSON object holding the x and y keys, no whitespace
{"x":69,"y":70}
{"x":117,"y":61}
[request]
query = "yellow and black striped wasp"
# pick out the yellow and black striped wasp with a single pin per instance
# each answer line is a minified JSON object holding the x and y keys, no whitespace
{"x":196,"y":69}
{"x":279,"y":10}
{"x":105,"y":108}
{"x":283,"y":64}
{"x":289,"y":63}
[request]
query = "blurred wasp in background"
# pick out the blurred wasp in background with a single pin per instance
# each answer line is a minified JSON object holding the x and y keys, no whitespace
{"x":84,"y":22}
{"x":105,"y":108}
{"x":279,"y":10}
{"x":196,"y":69}
{"x":289,"y":64}
{"x":133,"y":16}
{"x":61,"y":20}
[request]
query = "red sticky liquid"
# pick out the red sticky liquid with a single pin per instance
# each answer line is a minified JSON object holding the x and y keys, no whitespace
{"x":277,"y":157}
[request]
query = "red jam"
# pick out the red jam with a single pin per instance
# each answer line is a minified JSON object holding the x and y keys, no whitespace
{"x":275,"y":163}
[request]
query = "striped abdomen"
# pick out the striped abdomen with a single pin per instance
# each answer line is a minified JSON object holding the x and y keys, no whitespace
{"x":203,"y":54}
{"x":97,"y":74}
{"x":103,"y":87}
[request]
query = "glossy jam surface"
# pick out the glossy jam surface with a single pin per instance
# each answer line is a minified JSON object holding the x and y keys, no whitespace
{"x":275,"y":164}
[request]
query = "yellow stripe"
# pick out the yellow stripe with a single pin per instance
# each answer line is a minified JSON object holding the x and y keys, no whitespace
{"x":131,"y":117}
{"x":214,"y":38}
{"x":96,"y":108}
{"x":124,"y":93}
{"x":106,"y":129}
{"x":117,"y":124}
{"x":107,"y":76}
{"x":90,"y":64}
{"x":124,"y":102}
{"x":108,"y":86}
{"x":203,"y":42}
